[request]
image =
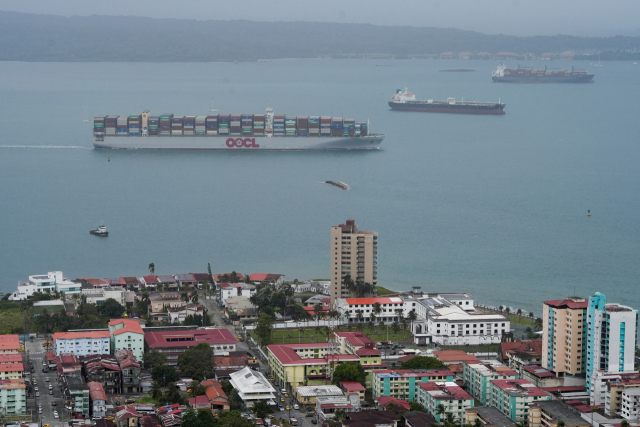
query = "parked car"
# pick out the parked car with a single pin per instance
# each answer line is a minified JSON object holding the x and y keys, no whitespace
{"x":38,"y":394}
{"x":314,"y":421}
{"x":296,"y":406}
{"x":50,"y":391}
{"x":53,"y":403}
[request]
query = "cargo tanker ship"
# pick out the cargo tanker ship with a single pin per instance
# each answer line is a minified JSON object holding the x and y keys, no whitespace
{"x":233,"y":132}
{"x":528,"y":75}
{"x":406,"y":101}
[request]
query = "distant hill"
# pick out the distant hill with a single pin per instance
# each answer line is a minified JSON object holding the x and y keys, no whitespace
{"x":34,"y":37}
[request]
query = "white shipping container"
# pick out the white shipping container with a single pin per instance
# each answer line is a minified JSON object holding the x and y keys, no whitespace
{"x":212,"y":132}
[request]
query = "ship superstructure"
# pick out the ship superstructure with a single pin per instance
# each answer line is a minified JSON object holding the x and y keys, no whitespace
{"x":529,"y":75}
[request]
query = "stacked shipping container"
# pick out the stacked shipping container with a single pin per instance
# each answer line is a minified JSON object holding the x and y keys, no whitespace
{"x":314,"y":126}
{"x":278,"y":125}
{"x":201,"y":123}
{"x":303,"y":126}
{"x":122,"y":126}
{"x":246,"y":121}
{"x":98,"y":125}
{"x":176,"y":125}
{"x":212,"y":125}
{"x":165,"y":124}
{"x":235,"y":124}
{"x":290,"y":126}
{"x":189,"y":125}
{"x":154,"y":125}
{"x":325,"y":126}
{"x":258,"y":124}
{"x":134,"y":125}
{"x":337,"y":126}
{"x":224,"y":122}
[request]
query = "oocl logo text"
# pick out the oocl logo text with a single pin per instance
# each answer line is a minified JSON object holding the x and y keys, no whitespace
{"x":242,"y":143}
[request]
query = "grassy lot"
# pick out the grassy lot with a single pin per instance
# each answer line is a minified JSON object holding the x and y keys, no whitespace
{"x":50,"y":309}
{"x":290,"y":336}
{"x":11,"y":319}
{"x":518,"y":320}
{"x":384,"y":292}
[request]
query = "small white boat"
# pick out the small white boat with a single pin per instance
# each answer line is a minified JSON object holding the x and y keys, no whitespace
{"x":338,"y":185}
{"x":100,"y":231}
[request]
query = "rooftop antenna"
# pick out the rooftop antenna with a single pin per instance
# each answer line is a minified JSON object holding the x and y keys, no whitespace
{"x":212,"y":109}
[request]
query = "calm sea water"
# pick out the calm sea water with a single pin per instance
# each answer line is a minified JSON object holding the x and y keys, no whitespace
{"x":495,"y":206}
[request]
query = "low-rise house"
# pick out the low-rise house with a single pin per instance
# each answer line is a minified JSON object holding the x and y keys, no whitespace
{"x":126,"y":334}
{"x":307,"y":394}
{"x":384,"y":402}
{"x":150,"y":282}
{"x":549,"y":413}
{"x":371,"y":419}
{"x":353,"y":387}
{"x":82,"y":343}
{"x":162,"y":300}
{"x":9,"y":344}
{"x":252,"y":386}
{"x":451,"y":396}
{"x":127,"y":416}
{"x":326,"y":406}
{"x":9,"y":371}
{"x":218,"y":399}
{"x":104,"y":370}
{"x":419,"y":419}
{"x":512,"y":397}
{"x":99,"y":295}
{"x":200,"y":402}
{"x":98,"y":399}
{"x":68,"y":365}
{"x":521,"y":353}
{"x":92,"y":282}
{"x":52,"y":281}
{"x":235,"y":360}
{"x":488,"y":416}
{"x":322,"y":300}
{"x":179,"y":314}
{"x":267,"y":279}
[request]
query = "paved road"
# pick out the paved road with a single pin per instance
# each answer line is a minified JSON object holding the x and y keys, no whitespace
{"x":36,"y":354}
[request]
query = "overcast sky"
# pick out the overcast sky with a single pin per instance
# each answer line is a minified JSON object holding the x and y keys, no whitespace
{"x":517,"y":17}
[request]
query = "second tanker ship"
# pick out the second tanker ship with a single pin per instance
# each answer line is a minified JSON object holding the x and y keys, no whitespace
{"x":406,"y":101}
{"x":528,"y":75}
{"x":233,"y":132}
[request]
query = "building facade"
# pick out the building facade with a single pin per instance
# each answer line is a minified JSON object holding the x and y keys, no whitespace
{"x":51,"y":282}
{"x":402,"y":383}
{"x":174,"y":343}
{"x":13,"y":397}
{"x":478,"y":375}
{"x":513,"y":397}
{"x":355,"y":253}
{"x":564,"y":337}
{"x":252,"y":386}
{"x":448,"y":394}
{"x":612,"y":338}
{"x":126,"y":334}
{"x":82,"y":343}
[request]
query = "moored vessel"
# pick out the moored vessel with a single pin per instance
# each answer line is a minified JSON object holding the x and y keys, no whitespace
{"x":406,"y":101}
{"x":338,"y":185}
{"x":233,"y":131}
{"x":528,"y":75}
{"x":100,"y":231}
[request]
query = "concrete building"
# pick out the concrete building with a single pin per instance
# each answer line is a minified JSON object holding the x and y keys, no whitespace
{"x":630,"y":404}
{"x":326,"y":406}
{"x":174,"y":343}
{"x":126,"y":334}
{"x":549,"y":413}
{"x":419,"y":419}
{"x":448,"y":394}
{"x":13,"y":397}
{"x":488,"y":416}
{"x":99,"y":295}
{"x":307,"y":394}
{"x":513,"y":397}
{"x":98,"y":399}
{"x":443,"y":322}
{"x":349,"y":308}
{"x":10,"y":371}
{"x":612,"y":337}
{"x":478,"y":375}
{"x":9,"y":344}
{"x":271,"y":279}
{"x":130,"y":368}
{"x":402,"y":383}
{"x":355,"y":253}
{"x":541,"y":377}
{"x":53,"y":281}
{"x":564,"y":337}
{"x":353,"y":387}
{"x":461,"y":299}
{"x":252,"y":386}
{"x":179,"y":314}
{"x":103,"y":369}
{"x":165,"y":299}
{"x":607,"y":389}
{"x":82,"y":343}
{"x":76,"y":395}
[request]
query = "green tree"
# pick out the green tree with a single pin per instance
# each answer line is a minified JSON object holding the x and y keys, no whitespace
{"x":153,"y":358}
{"x":152,"y":268}
{"x":172,"y":394}
{"x":190,"y":418}
{"x":197,"y":389}
{"x":415,"y":406}
{"x":262,"y":409}
{"x":423,"y":362}
{"x":395,"y":327}
{"x":263,"y":329}
{"x":349,"y":371}
{"x":156,"y":390}
{"x":232,"y":419}
{"x":164,"y":374}
{"x":624,"y":423}
{"x":562,"y":424}
{"x":111,"y":308}
{"x":205,"y":419}
{"x":194,"y":319}
{"x":197,"y":363}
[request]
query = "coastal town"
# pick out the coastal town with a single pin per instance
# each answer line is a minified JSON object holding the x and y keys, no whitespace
{"x":233,"y":349}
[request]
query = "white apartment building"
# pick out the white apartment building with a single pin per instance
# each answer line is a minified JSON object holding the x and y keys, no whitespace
{"x":82,"y":343}
{"x":229,"y":290}
{"x":442,"y":322}
{"x":630,"y":404}
{"x":252,"y":386}
{"x":53,"y":281}
{"x":611,"y":340}
{"x":348,"y":308}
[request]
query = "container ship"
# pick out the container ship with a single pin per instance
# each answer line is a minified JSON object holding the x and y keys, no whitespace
{"x":528,"y":75}
{"x":406,"y":101}
{"x":233,"y":132}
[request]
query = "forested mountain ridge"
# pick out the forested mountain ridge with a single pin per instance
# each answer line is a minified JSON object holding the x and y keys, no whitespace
{"x":34,"y":37}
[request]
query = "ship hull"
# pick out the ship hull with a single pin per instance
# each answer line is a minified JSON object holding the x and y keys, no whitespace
{"x":587,"y":78}
{"x":496,"y":109}
{"x":242,"y":143}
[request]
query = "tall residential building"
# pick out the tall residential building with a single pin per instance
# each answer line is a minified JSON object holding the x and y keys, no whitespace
{"x":612,"y":337}
{"x":353,"y":252}
{"x":564,"y":342}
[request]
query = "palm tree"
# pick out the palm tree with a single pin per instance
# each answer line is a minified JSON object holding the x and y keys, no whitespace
{"x":529,"y":332}
{"x":507,"y":310}
{"x":519,"y":312}
{"x":501,"y":308}
{"x":399,"y":314}
{"x":359,"y":327}
{"x":531,"y":314}
{"x":194,"y":298}
{"x":156,"y":390}
{"x":439,"y":411}
{"x":359,"y":315}
{"x":184,"y":297}
{"x":395,"y":327}
{"x":152,"y":268}
{"x":300,"y":331}
{"x":412,"y":316}
{"x":450,"y":419}
{"x":377,"y":309}
{"x":538,"y":324}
